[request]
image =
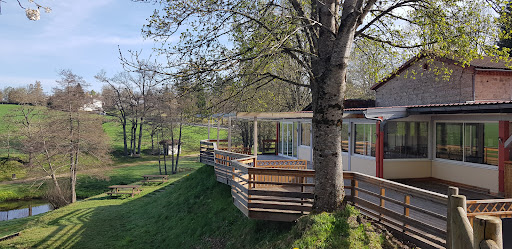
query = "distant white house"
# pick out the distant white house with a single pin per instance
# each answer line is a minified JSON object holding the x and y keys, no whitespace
{"x":95,"y":105}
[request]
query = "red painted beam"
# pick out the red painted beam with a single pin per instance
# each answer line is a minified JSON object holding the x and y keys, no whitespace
{"x":379,"y":151}
{"x":503,"y":153}
{"x":278,"y":126}
{"x":381,"y":154}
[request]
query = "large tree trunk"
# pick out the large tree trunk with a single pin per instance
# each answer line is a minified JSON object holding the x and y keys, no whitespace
{"x":57,"y":187}
{"x":172,"y":149}
{"x":328,"y":88}
{"x":125,"y":139}
{"x":179,"y":148}
{"x":140,"y":135}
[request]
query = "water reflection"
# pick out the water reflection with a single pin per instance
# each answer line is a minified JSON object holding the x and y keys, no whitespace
{"x":20,"y":209}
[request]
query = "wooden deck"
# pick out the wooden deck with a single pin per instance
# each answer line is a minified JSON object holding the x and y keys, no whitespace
{"x":283,"y":190}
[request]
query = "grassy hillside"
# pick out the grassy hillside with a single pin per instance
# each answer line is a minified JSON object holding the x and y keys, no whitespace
{"x":192,"y":212}
{"x":191,"y":135}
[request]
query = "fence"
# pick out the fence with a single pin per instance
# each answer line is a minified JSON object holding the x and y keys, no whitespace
{"x":485,"y":232}
{"x":270,"y":193}
{"x":283,"y":190}
{"x":402,"y":208}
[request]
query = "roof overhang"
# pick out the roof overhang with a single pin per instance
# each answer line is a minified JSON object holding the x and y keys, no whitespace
{"x":274,"y":116}
{"x":462,"y":109}
{"x":387,"y":113}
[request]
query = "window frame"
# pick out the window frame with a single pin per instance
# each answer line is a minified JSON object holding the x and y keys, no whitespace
{"x":427,"y":157}
{"x":463,"y":162}
{"x":310,"y":132}
{"x":353,"y":137}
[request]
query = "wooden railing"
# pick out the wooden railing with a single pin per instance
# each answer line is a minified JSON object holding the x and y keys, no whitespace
{"x":344,"y":145}
{"x":271,"y":193}
{"x":268,"y":146}
{"x":223,"y":161}
{"x":364,"y":148}
{"x":279,"y":164}
{"x":501,"y":208}
{"x":283,"y":190}
{"x":491,"y":156}
{"x":402,"y":208}
{"x":207,"y":152}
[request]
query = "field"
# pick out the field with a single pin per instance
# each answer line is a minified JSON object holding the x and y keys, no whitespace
{"x":92,"y":183}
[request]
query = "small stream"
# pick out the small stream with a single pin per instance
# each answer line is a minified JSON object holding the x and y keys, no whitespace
{"x":19,"y":209}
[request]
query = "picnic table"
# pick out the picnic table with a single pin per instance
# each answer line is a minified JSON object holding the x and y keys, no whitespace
{"x":124,"y":189}
{"x":155,"y":178}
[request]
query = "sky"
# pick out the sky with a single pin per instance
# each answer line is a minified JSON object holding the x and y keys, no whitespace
{"x":81,"y":35}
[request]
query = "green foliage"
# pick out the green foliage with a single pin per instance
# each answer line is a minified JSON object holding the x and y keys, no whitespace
{"x":19,"y":191}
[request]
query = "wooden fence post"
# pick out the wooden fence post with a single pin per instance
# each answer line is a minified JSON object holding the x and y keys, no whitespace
{"x":487,"y":228}
{"x":382,"y":201}
{"x":461,"y":230}
{"x":407,"y":201}
{"x":451,"y":191}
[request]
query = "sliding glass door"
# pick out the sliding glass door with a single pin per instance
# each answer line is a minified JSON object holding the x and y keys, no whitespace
{"x":288,"y":139}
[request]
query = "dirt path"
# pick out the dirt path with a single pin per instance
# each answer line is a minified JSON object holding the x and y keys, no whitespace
{"x":87,"y":171}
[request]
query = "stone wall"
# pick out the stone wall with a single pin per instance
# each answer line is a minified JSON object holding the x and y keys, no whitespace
{"x":493,"y":86}
{"x":419,"y":84}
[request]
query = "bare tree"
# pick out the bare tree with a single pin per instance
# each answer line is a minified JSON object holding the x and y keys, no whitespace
{"x":85,"y":135}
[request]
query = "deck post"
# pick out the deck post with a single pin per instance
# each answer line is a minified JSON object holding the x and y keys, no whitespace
{"x":449,"y":233}
{"x":503,"y":154}
{"x":229,"y":133}
{"x":218,"y":132}
{"x":379,"y":150}
{"x":407,"y":201}
{"x":382,"y":201}
{"x":255,"y":137}
{"x":208,"y":129}
{"x":487,"y":228}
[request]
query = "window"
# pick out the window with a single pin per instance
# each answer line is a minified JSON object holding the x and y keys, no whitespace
{"x":365,"y":138}
{"x":406,"y":140}
{"x":305,"y":134}
{"x":468,"y":142}
{"x":344,"y":136}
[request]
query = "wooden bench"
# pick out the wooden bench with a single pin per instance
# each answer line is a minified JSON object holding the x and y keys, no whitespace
{"x":124,"y":189}
{"x":155,"y":178}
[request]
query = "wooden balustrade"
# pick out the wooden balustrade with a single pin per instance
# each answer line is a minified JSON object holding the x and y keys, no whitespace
{"x":283,"y":190}
{"x":207,"y":152}
{"x":268,"y":146}
{"x":402,"y":208}
{"x":268,"y":193}
{"x":501,"y":208}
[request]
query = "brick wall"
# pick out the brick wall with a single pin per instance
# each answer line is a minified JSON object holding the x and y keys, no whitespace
{"x":419,"y":86}
{"x":493,"y":86}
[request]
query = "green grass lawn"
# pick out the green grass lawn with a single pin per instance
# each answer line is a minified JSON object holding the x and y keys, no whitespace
{"x":192,"y":210}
